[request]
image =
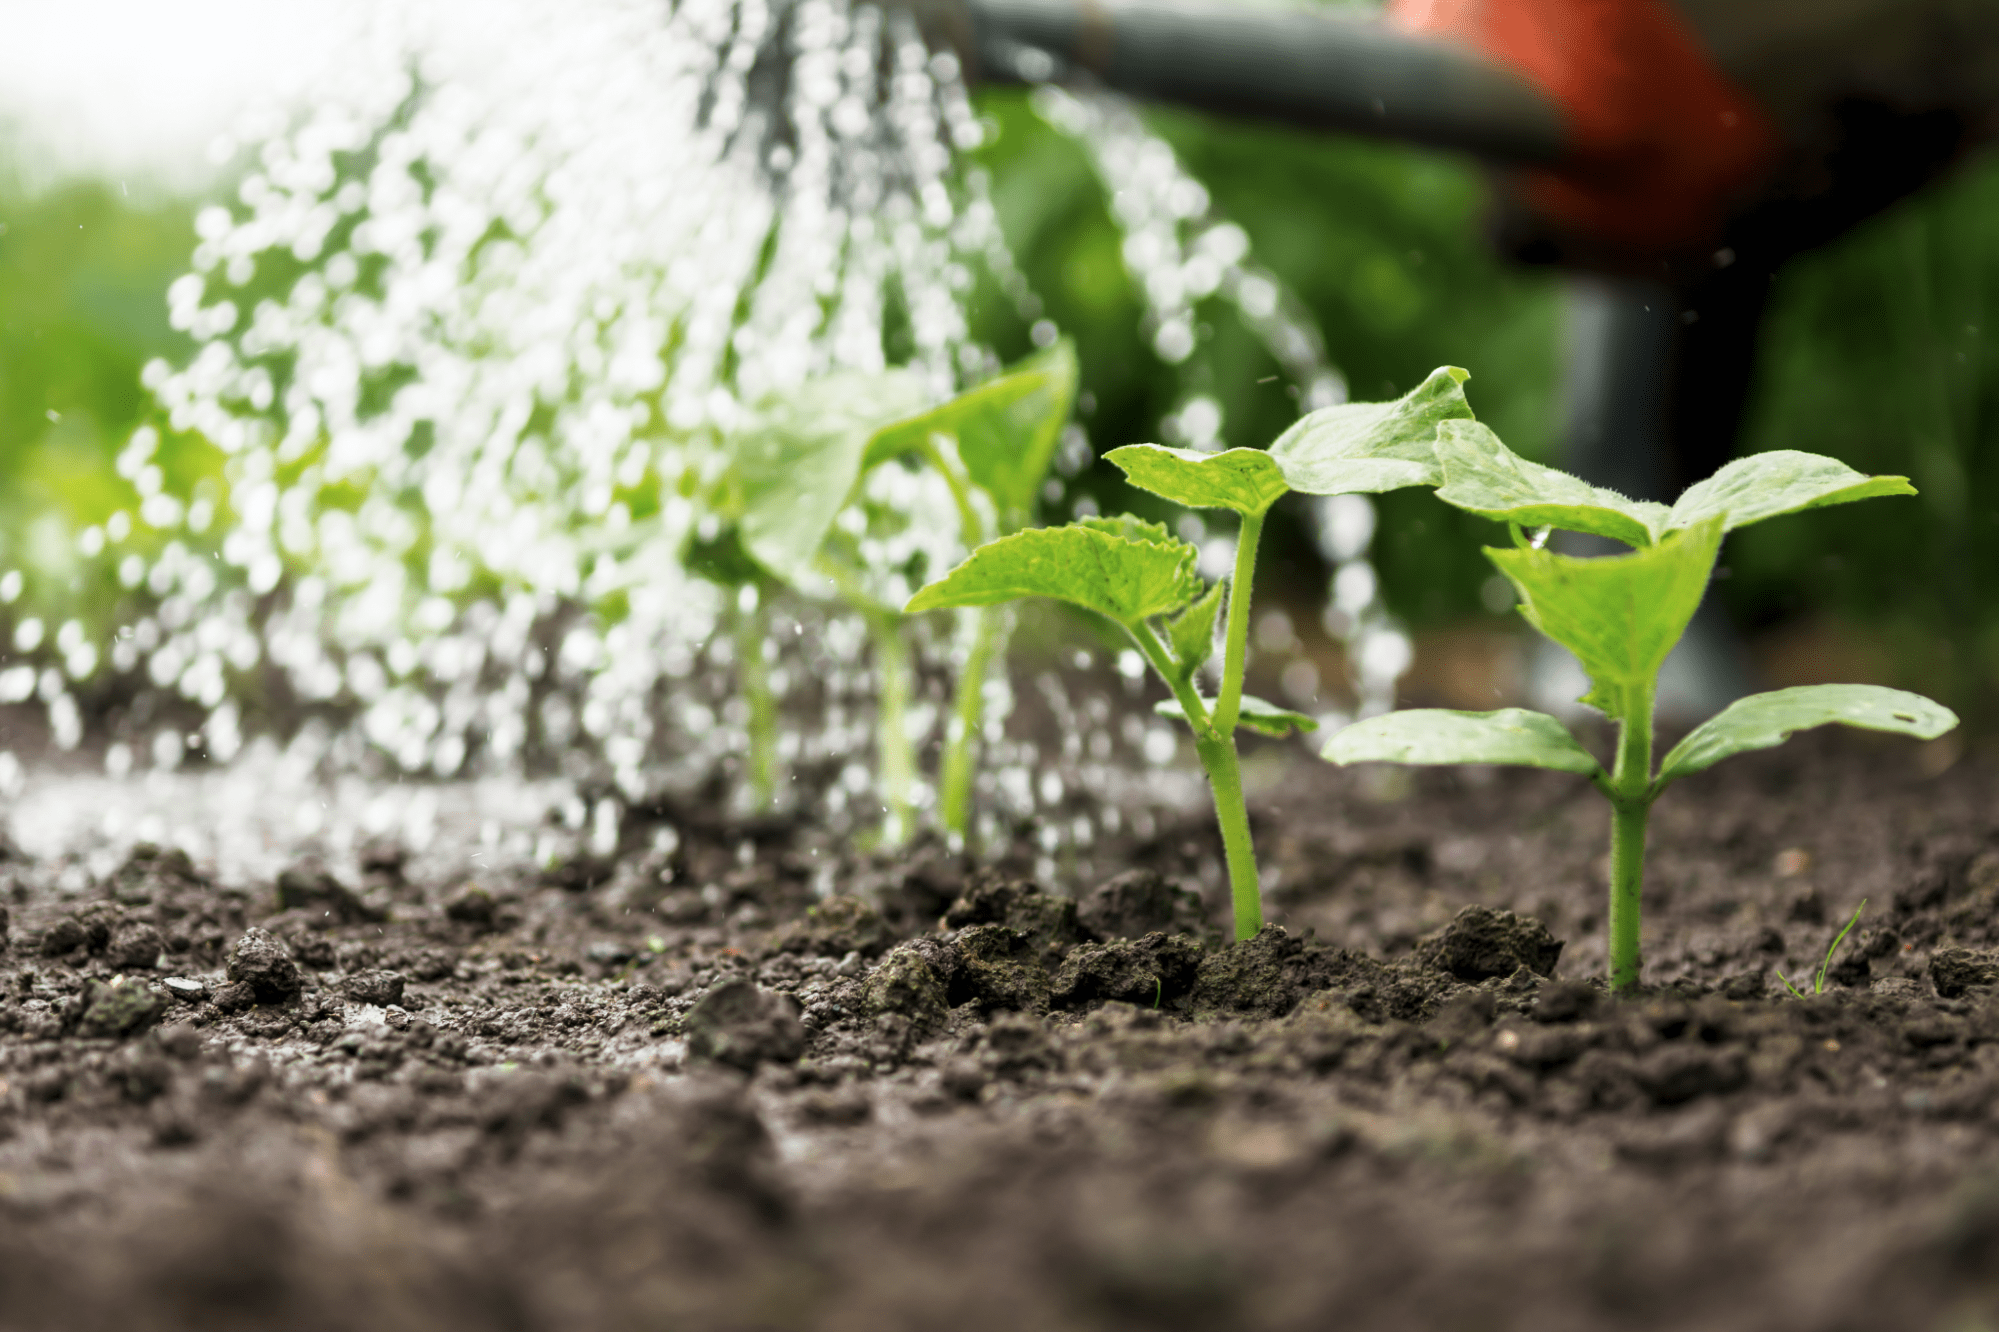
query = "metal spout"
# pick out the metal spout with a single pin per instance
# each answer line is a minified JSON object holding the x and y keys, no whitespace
{"x":1323,"y":70}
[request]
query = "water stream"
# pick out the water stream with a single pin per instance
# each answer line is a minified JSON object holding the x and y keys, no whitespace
{"x":474,"y":334}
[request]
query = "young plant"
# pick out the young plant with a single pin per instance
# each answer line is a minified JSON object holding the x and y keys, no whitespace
{"x":1137,"y":575}
{"x":806,"y":463}
{"x":993,"y":444}
{"x":1825,"y":964}
{"x":790,"y":475}
{"x":1621,"y":615}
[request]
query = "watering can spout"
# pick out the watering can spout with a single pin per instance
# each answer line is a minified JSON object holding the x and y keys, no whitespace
{"x":1319,"y":69}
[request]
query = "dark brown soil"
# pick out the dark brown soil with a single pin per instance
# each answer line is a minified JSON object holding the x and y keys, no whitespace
{"x":679,"y":1088}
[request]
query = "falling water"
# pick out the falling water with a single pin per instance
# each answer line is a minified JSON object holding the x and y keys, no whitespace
{"x":1181,"y":251}
{"x":475,"y":336}
{"x":477,"y":332}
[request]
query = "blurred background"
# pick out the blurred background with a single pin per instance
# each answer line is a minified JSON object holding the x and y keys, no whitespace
{"x":1876,"y":349}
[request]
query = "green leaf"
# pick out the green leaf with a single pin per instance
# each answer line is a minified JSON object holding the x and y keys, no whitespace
{"x":1368,"y":447}
{"x":1006,"y":428}
{"x":1245,"y":480}
{"x":1445,"y":736}
{"x":1619,"y":614}
{"x":722,"y":560}
{"x":1765,"y":720}
{"x":798,"y":466}
{"x":1483,"y":476}
{"x":1259,"y":715}
{"x":1192,"y":632}
{"x":1117,"y":569}
{"x":1783,"y":481}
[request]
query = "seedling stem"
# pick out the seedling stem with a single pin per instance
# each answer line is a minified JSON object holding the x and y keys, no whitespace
{"x":1630,"y":792}
{"x":1228,"y":704}
{"x":894,"y":752}
{"x":961,"y":740}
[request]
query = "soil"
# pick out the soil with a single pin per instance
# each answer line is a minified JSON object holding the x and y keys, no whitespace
{"x":681,"y":1085}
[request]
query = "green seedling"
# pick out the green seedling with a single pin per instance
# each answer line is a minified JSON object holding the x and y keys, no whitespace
{"x":1825,"y":964}
{"x":805,"y":464}
{"x":1621,"y":615}
{"x":789,"y":476}
{"x":993,"y":446}
{"x":1137,"y":575}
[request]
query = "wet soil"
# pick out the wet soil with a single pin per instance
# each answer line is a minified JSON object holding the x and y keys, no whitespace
{"x":683,"y":1085}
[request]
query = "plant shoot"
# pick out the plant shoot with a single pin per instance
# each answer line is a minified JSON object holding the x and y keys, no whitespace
{"x":1137,"y":575}
{"x":1621,"y":615}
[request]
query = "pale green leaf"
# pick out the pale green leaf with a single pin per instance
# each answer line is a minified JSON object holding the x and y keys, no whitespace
{"x":1131,"y":527}
{"x":797,"y":466}
{"x":1445,"y":736}
{"x":1259,"y":715}
{"x":1245,"y":480}
{"x":1483,"y":476}
{"x":1192,"y":632}
{"x":1619,"y":614}
{"x":1092,"y":564}
{"x":1765,"y":720}
{"x":1782,"y":481}
{"x":1368,"y":447}
{"x":1006,"y":429}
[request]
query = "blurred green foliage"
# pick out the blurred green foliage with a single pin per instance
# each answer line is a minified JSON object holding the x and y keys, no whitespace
{"x":1880,"y":351}
{"x":83,"y":278}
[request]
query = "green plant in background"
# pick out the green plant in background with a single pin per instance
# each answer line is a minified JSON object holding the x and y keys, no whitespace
{"x":1136,"y":574}
{"x":779,"y":505}
{"x":790,"y":474}
{"x":1825,"y":964}
{"x":1621,"y":615}
{"x":993,"y":444}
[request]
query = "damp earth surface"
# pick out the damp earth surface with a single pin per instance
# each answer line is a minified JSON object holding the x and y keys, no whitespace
{"x":720,"y":1072}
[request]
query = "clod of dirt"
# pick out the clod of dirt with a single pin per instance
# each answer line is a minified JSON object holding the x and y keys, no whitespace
{"x":526,"y":1100}
{"x":1047,"y":921}
{"x":235,"y":997}
{"x":1266,"y":975}
{"x":472,"y":905}
{"x":64,"y":935}
{"x":134,"y":945}
{"x":316,"y":891}
{"x":152,"y":872}
{"x":1148,"y":971}
{"x":1139,"y":902}
{"x":1482,"y":942}
{"x":1016,"y":1044}
{"x":907,"y":983}
{"x":1953,"y":970}
{"x":261,"y":963}
{"x":834,"y":929}
{"x":142,"y":1076}
{"x":1679,"y":1073}
{"x":375,"y":986}
{"x":740,"y":1025}
{"x":384,"y":859}
{"x":1000,"y":967}
{"x":119,"y":1008}
{"x":1568,"y":1001}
